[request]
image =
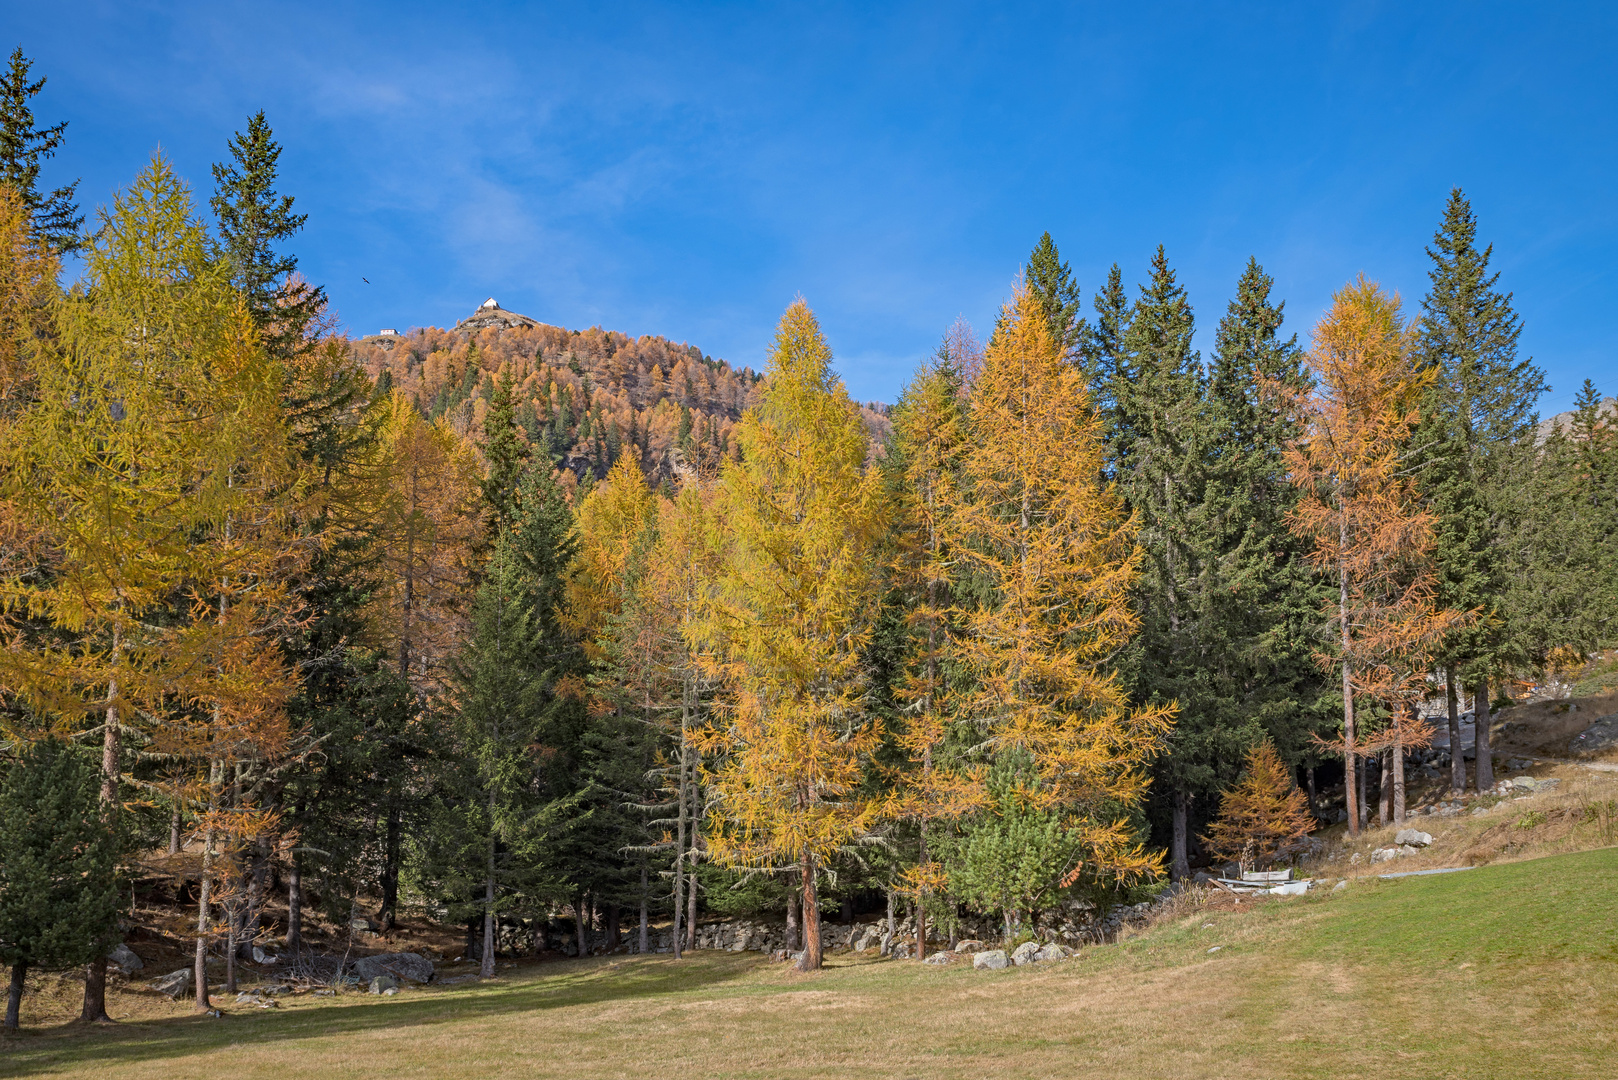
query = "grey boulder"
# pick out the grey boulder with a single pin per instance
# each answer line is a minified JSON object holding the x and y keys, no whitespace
{"x":1052,"y":951}
{"x":970,"y":945}
{"x":174,"y":984}
{"x":993,"y":960}
{"x":403,"y":965}
{"x":1529,"y":783}
{"x":383,"y":983}
{"x":124,"y":959}
{"x":1413,"y":837}
{"x":1026,"y":953}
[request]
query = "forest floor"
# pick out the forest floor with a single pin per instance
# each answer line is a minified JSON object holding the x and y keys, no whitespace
{"x":1505,"y":970}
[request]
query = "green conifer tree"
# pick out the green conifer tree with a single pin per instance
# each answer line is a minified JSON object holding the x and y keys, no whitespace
{"x":58,"y":852}
{"x":1162,"y":451}
{"x":1481,"y":406}
{"x":1051,"y":281}
{"x":1104,"y":352}
{"x":253,"y":219}
{"x":55,"y":216}
{"x":506,"y":455}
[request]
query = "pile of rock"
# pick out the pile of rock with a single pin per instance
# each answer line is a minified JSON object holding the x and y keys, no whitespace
{"x":1029,"y":952}
{"x":1407,"y":842}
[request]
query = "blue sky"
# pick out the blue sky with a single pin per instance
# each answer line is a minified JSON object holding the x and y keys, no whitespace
{"x":688,"y":169}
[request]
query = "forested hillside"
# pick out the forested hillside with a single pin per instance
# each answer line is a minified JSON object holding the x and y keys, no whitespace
{"x":550,"y":640}
{"x":588,"y":397}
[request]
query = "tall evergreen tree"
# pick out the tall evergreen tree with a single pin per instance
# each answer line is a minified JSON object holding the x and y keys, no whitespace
{"x":1480,"y":406}
{"x":55,"y":215}
{"x":1562,"y":573}
{"x":1104,"y":352}
{"x":493,"y":807}
{"x":253,"y":220}
{"x":506,"y":454}
{"x":1051,"y":282}
{"x":1267,"y":598}
{"x":1164,"y":443}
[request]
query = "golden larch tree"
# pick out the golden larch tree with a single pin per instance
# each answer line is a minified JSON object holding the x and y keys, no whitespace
{"x":1058,"y":554}
{"x":425,"y":517}
{"x":793,"y":610}
{"x":153,"y":457}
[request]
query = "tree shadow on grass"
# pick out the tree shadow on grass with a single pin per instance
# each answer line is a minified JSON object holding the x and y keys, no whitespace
{"x":533,"y":990}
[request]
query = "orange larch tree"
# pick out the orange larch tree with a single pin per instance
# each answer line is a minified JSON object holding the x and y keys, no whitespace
{"x":1261,"y":813}
{"x":1057,"y":552}
{"x":1368,"y":526}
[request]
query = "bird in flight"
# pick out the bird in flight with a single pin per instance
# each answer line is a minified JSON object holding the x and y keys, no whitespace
{"x":366,"y":280}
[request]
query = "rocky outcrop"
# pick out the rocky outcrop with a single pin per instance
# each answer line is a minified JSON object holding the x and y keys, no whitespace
{"x":174,"y":984}
{"x":405,"y":965}
{"x":124,"y":959}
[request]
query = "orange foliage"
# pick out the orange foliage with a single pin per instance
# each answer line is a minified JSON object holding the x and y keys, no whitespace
{"x":1360,"y":510}
{"x":1262,"y":813}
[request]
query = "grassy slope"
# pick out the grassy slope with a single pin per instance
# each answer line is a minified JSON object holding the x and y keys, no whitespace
{"x":1502,"y":971}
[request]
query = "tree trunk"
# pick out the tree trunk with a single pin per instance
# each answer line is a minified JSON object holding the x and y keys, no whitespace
{"x":175,"y":821}
{"x":679,"y":850}
{"x":1457,"y":756}
{"x":1481,"y":733}
{"x":691,"y":908}
{"x":1351,"y":796}
{"x":1384,"y":790}
{"x":94,"y":1009}
{"x":893,"y":928}
{"x":486,"y":968}
{"x":1399,"y":778}
{"x":1180,"y":864}
{"x":579,"y":918}
{"x":645,"y":924}
{"x":200,"y":961}
{"x":793,"y":944}
{"x":1309,"y":779}
{"x":1361,"y":808}
{"x":230,"y":953}
{"x":811,"y":916}
{"x":390,"y":869}
{"x":295,"y":904}
{"x":19,"y":971}
{"x":921,"y":926}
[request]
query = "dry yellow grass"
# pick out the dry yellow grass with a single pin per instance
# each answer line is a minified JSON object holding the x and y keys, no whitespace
{"x":1503,"y":971}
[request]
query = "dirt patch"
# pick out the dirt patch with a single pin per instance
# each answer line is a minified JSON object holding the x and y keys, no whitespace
{"x":1547,"y":728}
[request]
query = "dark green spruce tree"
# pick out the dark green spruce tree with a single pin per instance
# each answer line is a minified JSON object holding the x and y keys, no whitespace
{"x":1562,"y":571}
{"x":58,"y":856}
{"x":1161,"y":452}
{"x":506,"y":454}
{"x":1265,"y":606}
{"x":254,"y":220}
{"x":1051,"y":280}
{"x":1481,"y":407}
{"x":1104,"y":353}
{"x":492,"y":811}
{"x":23,"y":146}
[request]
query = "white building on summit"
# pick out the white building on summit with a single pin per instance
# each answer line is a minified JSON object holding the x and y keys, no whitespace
{"x":490,"y":313}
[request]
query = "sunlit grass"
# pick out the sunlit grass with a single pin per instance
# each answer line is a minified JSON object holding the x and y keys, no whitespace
{"x":1502,"y":971}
